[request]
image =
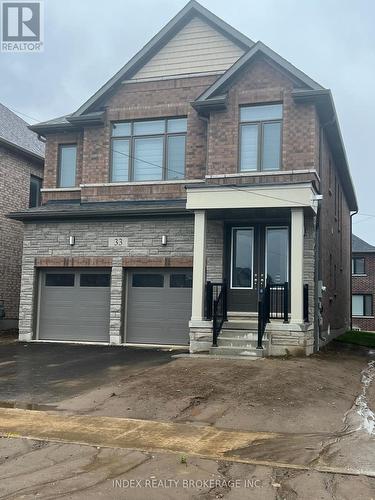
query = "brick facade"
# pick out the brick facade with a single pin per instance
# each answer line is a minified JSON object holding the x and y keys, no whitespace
{"x":211,"y":150}
{"x":15,"y":171}
{"x":365,"y":284}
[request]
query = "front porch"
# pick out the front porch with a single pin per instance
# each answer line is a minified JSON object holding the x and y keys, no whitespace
{"x":253,"y":275}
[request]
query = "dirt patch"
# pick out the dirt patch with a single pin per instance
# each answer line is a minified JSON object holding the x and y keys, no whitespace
{"x":285,"y":395}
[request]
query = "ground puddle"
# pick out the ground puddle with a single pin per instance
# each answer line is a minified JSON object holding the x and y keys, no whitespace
{"x":360,"y":416}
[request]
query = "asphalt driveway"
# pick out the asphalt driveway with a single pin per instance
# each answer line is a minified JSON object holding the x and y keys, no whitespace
{"x":43,"y":374}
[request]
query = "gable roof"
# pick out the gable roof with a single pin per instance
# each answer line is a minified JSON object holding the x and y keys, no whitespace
{"x":361,"y":246}
{"x":190,"y":10}
{"x":14,"y":132}
{"x":258,"y":48}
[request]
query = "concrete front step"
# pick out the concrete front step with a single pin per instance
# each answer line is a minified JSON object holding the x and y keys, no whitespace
{"x":238,"y":334}
{"x":238,"y":351}
{"x":239,"y":342}
{"x":240,"y":325}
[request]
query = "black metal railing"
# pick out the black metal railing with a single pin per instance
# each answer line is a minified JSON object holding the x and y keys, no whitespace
{"x":306,"y":303}
{"x":278,"y":301}
{"x":263,"y":314}
{"x":273,"y":303}
{"x":216,"y":306}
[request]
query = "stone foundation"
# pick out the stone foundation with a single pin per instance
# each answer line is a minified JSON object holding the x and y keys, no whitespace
{"x":289,"y":338}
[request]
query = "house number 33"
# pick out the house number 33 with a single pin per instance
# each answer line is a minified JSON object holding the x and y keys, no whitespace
{"x":118,"y":241}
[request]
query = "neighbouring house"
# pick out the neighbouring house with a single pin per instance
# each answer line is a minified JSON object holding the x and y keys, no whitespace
{"x":363,"y":284}
{"x":200,"y":198}
{"x":21,"y":174}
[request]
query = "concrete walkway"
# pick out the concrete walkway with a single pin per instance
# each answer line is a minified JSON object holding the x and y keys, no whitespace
{"x":294,"y":451}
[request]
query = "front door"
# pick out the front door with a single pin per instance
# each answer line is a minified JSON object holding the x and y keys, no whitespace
{"x":256,"y":253}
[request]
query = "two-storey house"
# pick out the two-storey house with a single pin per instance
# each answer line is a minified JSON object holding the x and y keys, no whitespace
{"x":207,"y":180}
{"x":363,"y":284}
{"x":21,"y":176}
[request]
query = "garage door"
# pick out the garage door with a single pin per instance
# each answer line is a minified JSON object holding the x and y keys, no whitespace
{"x":159,"y":306}
{"x":74,"y":305}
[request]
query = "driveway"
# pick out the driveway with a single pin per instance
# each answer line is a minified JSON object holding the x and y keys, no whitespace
{"x":44,"y":374}
{"x":316,"y":415}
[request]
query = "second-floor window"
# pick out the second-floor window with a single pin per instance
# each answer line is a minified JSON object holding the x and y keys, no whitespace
{"x":358,"y":265}
{"x":35,"y":187}
{"x":260,"y":137}
{"x":67,"y":165}
{"x":151,"y":150}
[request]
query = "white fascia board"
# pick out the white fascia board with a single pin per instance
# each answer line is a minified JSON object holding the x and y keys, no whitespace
{"x":278,"y":196}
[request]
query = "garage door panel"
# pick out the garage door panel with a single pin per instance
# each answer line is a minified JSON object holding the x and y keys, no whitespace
{"x":79,"y":313}
{"x":155,"y":314}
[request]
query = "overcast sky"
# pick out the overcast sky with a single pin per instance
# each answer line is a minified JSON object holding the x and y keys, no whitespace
{"x":87,"y":41}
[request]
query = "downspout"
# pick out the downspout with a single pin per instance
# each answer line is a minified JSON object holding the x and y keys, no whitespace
{"x":317,"y":272}
{"x":351,"y":271}
{"x":207,"y":121}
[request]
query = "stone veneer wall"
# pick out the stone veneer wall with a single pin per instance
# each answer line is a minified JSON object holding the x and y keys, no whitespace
{"x":45,"y":241}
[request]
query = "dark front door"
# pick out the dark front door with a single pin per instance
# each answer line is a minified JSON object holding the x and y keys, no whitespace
{"x":255,"y":253}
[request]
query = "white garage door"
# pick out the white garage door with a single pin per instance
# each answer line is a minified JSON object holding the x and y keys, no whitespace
{"x":74,"y":305}
{"x":159,"y":306}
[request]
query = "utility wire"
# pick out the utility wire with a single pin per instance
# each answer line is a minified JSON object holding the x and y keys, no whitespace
{"x":236,"y":188}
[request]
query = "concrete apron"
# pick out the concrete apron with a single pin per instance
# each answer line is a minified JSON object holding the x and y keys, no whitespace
{"x":294,"y":451}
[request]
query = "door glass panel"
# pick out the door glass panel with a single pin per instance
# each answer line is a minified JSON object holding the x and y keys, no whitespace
{"x":148,"y":280}
{"x":242,"y":257}
{"x":55,"y":279}
{"x":277,"y":254}
{"x":94,"y":280}
{"x":181,"y":280}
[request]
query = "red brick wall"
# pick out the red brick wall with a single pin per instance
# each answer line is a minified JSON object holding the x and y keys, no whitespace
{"x":335,"y":241}
{"x":261,"y":82}
{"x":15,"y":171}
{"x":365,"y":285}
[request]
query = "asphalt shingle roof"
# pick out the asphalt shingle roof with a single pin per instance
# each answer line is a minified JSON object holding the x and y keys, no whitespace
{"x":361,"y":246}
{"x":15,"y":131}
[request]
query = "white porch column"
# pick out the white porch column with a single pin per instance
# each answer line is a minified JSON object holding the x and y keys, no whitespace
{"x":296,"y":291}
{"x":199,"y":265}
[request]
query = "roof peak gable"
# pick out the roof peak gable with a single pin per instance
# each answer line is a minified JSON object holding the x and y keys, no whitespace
{"x":219,"y":86}
{"x":191,"y":9}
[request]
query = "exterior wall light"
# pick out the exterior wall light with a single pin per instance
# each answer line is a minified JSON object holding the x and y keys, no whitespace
{"x":164,"y":239}
{"x":72,"y":240}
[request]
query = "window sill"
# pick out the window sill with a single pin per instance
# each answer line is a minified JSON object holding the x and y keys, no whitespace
{"x":142,"y":183}
{"x":363,"y":317}
{"x":52,"y":190}
{"x":253,"y":173}
{"x":359,"y":275}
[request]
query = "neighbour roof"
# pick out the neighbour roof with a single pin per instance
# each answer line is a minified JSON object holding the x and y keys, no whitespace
{"x":361,"y":246}
{"x":14,"y":132}
{"x":77,"y":210}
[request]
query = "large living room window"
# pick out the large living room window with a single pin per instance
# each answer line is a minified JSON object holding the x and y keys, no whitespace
{"x":362,"y":305}
{"x":260,"y":137}
{"x":67,"y":165}
{"x":151,"y":150}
